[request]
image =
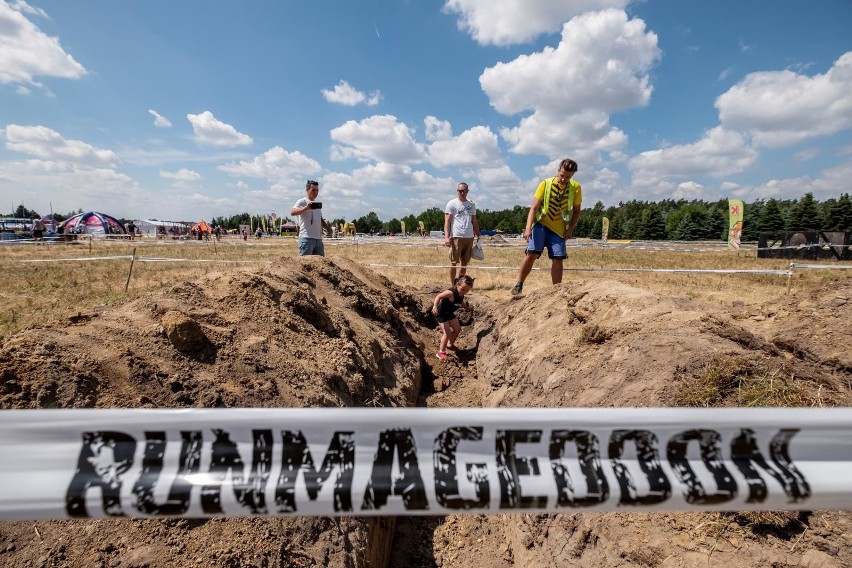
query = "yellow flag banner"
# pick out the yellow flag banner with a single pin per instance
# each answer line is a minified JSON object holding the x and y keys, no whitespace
{"x":402,"y":226}
{"x":604,"y":229}
{"x":735,"y":223}
{"x":422,"y":227}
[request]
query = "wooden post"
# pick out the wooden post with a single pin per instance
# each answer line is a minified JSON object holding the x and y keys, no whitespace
{"x":129,"y":272}
{"x":790,"y":279}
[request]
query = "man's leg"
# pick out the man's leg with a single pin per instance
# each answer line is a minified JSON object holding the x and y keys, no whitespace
{"x":462,"y":270}
{"x":526,"y":267}
{"x":556,"y":270}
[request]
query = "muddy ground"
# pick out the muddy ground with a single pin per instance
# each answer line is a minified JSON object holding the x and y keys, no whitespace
{"x":317,"y":332}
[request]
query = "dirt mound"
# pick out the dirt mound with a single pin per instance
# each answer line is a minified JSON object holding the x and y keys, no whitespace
{"x":621,"y":346}
{"x":305,"y":332}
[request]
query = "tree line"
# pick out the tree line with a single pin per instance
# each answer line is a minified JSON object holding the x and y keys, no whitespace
{"x":668,"y":219}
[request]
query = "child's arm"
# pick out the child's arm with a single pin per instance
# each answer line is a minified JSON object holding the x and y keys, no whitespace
{"x":439,"y":297}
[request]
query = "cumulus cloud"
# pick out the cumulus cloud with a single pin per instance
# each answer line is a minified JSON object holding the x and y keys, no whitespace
{"x":26,"y":51}
{"x":437,"y":129}
{"x":719,"y":153}
{"x":274,"y":164}
{"x":506,"y":22}
{"x":600,"y":66}
{"x":377,"y":138}
{"x":160,"y":121}
{"x":476,"y":146}
{"x":47,"y":144}
{"x":782,"y":108}
{"x":210,"y":130}
{"x":345,"y":94}
{"x":182,"y":174}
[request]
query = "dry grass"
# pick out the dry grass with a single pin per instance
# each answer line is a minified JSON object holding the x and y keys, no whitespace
{"x":42,"y":292}
{"x":736,"y":381}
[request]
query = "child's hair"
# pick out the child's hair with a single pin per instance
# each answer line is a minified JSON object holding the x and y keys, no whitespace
{"x":467,"y":279}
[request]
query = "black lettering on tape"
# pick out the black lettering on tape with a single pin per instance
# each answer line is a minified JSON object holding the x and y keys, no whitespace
{"x":409,"y":484}
{"x":660,"y":487}
{"x":189,"y":463}
{"x":296,"y":457}
{"x":589,"y":457}
{"x":104,"y":458}
{"x":711,"y":455}
{"x":225,"y":457}
{"x":510,"y":466}
{"x":746,"y":455}
{"x":446,"y":470}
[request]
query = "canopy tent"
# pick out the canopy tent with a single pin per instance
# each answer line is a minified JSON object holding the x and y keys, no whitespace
{"x":289,"y":227}
{"x":149,"y":228}
{"x":202,"y":226}
{"x":92,"y":223}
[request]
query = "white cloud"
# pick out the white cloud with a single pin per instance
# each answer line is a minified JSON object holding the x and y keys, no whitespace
{"x":600,"y":66}
{"x":506,"y":22}
{"x":474,"y":147}
{"x":26,"y":51}
{"x":806,"y":154}
{"x":719,"y":153}
{"x":377,"y":138}
{"x":160,"y":121}
{"x":345,"y":94}
{"x":209,"y":130}
{"x":182,"y":174}
{"x":274,"y":164}
{"x":47,"y":144}
{"x":70,"y":174}
{"x":782,"y":108}
{"x":437,"y":129}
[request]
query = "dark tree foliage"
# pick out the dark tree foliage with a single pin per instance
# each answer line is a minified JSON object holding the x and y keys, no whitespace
{"x":771,"y":219}
{"x":804,"y":215}
{"x":839,"y":217}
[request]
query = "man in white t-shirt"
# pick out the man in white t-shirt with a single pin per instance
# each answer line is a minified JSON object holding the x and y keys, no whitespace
{"x":460,"y":228}
{"x":311,"y":222}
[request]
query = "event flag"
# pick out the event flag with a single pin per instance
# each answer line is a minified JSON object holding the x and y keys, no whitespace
{"x":402,"y":225}
{"x":735,"y":223}
{"x":604,"y":229}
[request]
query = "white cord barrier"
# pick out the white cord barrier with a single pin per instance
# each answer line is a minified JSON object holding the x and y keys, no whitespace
{"x":415,"y":461}
{"x":575,"y":269}
{"x":821,"y":266}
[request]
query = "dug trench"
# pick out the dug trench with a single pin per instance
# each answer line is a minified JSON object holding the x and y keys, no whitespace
{"x":314,"y":332}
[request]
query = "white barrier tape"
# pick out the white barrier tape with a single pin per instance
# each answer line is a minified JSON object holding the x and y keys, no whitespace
{"x":823,"y":266}
{"x":575,"y":269}
{"x":359,"y":461}
{"x":122,"y":257}
{"x":154,"y":259}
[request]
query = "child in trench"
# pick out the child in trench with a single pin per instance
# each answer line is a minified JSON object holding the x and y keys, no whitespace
{"x":444,"y":308}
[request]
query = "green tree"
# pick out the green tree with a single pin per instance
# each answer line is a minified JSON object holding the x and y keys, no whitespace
{"x":805,"y":215}
{"x":751,"y":218}
{"x":433,"y":219}
{"x":690,"y":226}
{"x":369,"y":223}
{"x":771,"y":218}
{"x":22,"y":212}
{"x":840,"y":215}
{"x":652,"y":226}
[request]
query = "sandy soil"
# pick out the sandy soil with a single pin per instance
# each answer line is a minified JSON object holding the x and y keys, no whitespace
{"x":317,"y":332}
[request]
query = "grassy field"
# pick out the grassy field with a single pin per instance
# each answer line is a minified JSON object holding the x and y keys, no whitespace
{"x":80,"y":277}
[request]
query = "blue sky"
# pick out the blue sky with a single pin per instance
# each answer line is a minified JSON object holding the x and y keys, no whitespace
{"x":193,"y":109}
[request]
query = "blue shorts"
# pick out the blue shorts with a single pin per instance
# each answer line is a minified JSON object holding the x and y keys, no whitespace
{"x":309,"y":246}
{"x":543,"y":237}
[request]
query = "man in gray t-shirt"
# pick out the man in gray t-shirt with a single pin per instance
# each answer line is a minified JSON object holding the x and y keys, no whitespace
{"x":311,"y":223}
{"x":460,"y":228}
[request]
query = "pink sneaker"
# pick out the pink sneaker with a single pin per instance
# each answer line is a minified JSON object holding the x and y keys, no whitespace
{"x":441,"y":355}
{"x":452,"y":348}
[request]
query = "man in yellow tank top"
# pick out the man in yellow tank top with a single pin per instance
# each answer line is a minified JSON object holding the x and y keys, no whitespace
{"x":546,"y":226}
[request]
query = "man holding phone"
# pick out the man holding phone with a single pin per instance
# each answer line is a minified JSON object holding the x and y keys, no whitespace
{"x":311,"y":222}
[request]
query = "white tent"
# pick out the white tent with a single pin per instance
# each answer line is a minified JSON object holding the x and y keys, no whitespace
{"x":148,"y":228}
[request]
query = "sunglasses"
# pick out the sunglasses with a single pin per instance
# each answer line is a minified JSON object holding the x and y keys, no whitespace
{"x":462,"y":190}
